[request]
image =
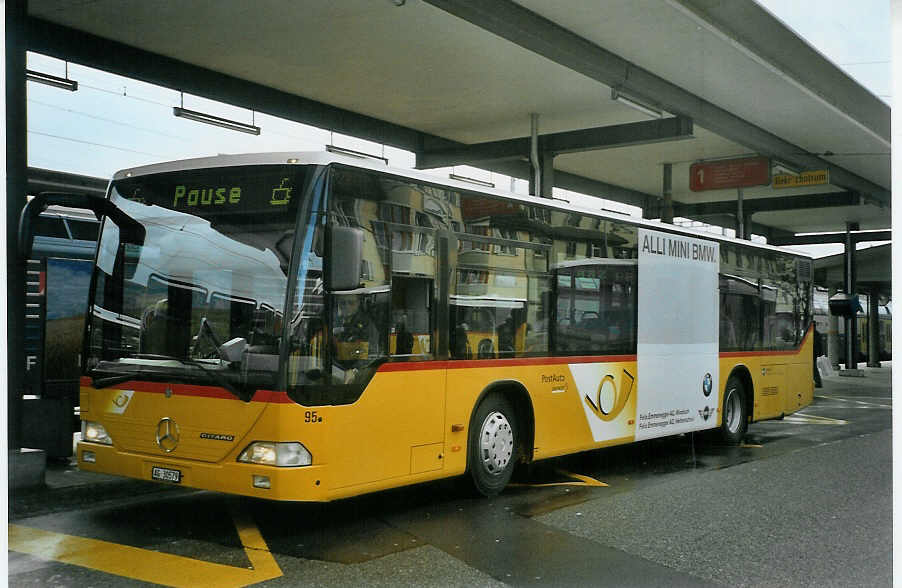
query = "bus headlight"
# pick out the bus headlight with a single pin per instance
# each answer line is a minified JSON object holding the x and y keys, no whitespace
{"x":95,"y":433}
{"x":282,"y":455}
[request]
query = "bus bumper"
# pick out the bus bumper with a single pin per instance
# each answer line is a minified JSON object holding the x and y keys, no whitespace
{"x":289,"y":484}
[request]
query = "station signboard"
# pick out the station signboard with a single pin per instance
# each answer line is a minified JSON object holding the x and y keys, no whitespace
{"x":815,"y":177}
{"x":729,"y":173}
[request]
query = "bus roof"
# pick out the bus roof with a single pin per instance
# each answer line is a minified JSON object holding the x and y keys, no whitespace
{"x":374,"y":164}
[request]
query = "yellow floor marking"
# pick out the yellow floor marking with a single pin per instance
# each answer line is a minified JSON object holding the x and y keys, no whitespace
{"x":147,"y":565}
{"x":751,"y":446}
{"x":810,"y":419}
{"x":858,"y":400}
{"x":579,"y":480}
{"x":254,"y":545}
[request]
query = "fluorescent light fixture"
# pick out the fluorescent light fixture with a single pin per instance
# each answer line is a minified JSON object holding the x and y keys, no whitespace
{"x":357,"y":154}
{"x":215,"y":120}
{"x":617,"y":96}
{"x":470,"y":180}
{"x":49,"y":80}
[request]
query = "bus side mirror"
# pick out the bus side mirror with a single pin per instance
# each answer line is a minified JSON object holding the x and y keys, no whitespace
{"x":844,"y":305}
{"x":39,"y":204}
{"x":345,"y":255}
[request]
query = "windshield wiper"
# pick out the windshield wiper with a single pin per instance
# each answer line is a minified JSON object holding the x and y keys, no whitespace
{"x":112,"y":380}
{"x":240,"y":393}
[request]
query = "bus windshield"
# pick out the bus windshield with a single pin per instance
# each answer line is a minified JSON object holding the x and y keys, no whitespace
{"x":190,"y":282}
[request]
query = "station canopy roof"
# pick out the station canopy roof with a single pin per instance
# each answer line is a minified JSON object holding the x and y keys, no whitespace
{"x":455,"y":80}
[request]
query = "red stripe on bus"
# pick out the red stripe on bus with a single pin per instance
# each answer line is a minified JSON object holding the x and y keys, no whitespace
{"x":403,"y":366}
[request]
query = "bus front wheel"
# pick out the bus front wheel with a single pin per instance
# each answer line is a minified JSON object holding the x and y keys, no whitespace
{"x":493,"y":445}
{"x":734,"y":420}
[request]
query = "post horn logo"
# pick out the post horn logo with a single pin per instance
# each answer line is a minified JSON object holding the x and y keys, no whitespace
{"x":167,"y":434}
{"x":609,"y":401}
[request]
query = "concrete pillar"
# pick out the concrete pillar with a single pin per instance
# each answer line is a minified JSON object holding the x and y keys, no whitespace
{"x":873,"y":329}
{"x":667,"y":195}
{"x":833,"y":335}
{"x":740,"y":215}
{"x":16,"y":186}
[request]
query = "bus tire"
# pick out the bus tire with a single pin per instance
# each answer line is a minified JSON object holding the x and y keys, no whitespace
{"x":734,"y":420}
{"x":493,"y":445}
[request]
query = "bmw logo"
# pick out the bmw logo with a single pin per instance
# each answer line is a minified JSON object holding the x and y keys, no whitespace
{"x":707,"y":385}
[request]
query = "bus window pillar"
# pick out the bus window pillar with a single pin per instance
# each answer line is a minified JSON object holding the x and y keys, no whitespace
{"x":873,"y":329}
{"x":833,"y":335}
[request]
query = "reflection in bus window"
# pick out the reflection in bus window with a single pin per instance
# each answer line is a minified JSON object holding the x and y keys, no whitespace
{"x":596,"y":307}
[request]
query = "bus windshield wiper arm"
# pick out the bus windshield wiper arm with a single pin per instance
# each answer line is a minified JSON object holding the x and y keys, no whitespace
{"x":239,"y":392}
{"x":112,"y":380}
{"x":221,"y":381}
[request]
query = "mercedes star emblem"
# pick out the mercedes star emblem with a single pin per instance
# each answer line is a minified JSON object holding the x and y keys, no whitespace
{"x":167,"y":434}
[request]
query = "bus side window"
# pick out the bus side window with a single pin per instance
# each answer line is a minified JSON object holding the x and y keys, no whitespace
{"x":411,"y":317}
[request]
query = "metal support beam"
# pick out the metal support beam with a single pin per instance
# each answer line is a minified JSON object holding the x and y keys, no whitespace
{"x":851,"y":288}
{"x":667,"y":194}
{"x":833,"y":334}
{"x":609,"y":137}
{"x":45,"y":180}
{"x":568,"y":181}
{"x":546,"y":162}
{"x":16,"y":164}
{"x":517,"y":24}
{"x":770,"y":204}
{"x":873,"y":328}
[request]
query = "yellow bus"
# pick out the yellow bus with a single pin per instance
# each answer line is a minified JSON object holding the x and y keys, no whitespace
{"x":308,"y":327}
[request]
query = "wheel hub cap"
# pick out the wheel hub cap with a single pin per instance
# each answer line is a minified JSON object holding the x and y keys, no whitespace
{"x":496,"y":442}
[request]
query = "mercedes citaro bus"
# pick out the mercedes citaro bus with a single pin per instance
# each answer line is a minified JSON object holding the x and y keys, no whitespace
{"x":314,"y":326}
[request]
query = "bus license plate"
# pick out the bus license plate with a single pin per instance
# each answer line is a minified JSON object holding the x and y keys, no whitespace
{"x":166,"y":475}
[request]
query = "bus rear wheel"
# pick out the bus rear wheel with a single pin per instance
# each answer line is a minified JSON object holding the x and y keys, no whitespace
{"x":734,"y":417}
{"x":493,"y":443}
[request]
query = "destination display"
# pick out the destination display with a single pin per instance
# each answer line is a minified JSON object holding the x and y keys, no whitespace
{"x":218,"y":191}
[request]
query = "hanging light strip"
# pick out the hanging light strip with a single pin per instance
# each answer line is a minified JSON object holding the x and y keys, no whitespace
{"x":470,"y":180}
{"x":353,"y":153}
{"x":49,"y":80}
{"x":618,"y":96}
{"x":215,"y":120}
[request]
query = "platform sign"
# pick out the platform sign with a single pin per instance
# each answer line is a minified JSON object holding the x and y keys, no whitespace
{"x":815,"y":177}
{"x":729,"y":173}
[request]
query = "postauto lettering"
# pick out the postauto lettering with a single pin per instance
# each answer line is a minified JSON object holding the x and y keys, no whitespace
{"x":206,"y":196}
